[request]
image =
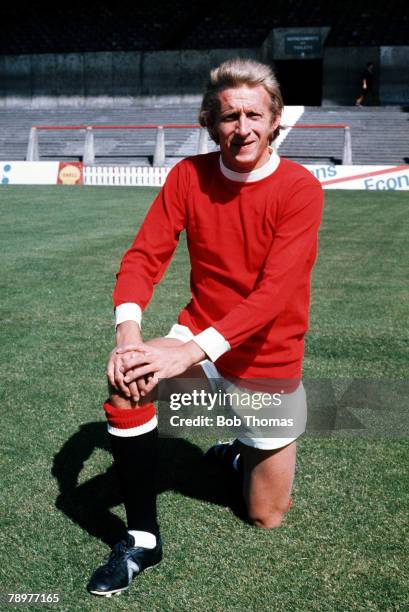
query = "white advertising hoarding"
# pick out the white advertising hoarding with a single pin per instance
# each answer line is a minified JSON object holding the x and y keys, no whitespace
{"x":28,"y":173}
{"x":377,"y":178}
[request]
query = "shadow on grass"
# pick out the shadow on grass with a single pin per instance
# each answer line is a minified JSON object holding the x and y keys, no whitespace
{"x":89,"y":504}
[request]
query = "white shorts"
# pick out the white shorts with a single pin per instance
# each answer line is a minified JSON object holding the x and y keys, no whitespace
{"x":295,"y":402}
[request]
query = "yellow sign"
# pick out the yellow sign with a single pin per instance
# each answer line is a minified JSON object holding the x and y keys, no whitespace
{"x":70,"y":174}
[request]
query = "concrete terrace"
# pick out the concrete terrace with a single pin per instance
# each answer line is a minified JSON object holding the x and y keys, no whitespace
{"x":380,"y":135}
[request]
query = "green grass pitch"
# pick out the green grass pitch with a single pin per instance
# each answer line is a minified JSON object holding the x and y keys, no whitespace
{"x":342,"y":546}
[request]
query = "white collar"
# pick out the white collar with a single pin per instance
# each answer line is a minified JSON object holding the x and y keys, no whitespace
{"x":254,"y":175}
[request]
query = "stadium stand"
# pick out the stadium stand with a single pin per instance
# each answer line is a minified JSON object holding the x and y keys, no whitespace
{"x":357,"y":31}
{"x":379,"y":135}
{"x":354,"y":22}
{"x":145,"y":26}
{"x":111,"y":146}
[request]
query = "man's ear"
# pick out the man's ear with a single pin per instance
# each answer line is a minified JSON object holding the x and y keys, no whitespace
{"x":213,"y":134}
{"x":276,"y":122}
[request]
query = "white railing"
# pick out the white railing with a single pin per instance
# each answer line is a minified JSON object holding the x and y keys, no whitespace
{"x":140,"y":176}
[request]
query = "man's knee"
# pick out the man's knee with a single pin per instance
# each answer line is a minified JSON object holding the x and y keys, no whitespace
{"x":118,"y":400}
{"x":267,"y":520}
{"x":267,"y":516}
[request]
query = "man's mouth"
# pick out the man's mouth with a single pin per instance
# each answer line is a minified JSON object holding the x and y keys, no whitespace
{"x":242,"y":144}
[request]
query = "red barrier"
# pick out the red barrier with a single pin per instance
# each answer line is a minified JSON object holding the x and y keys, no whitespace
{"x":159,"y":154}
{"x":179,"y":126}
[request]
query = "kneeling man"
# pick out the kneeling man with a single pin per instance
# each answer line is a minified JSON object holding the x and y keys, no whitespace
{"x":251,"y":221}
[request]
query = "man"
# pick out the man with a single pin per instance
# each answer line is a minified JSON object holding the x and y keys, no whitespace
{"x":251,"y":221}
{"x":366,"y":85}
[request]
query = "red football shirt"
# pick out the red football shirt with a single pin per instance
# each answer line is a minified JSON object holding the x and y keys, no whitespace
{"x":252,"y":247}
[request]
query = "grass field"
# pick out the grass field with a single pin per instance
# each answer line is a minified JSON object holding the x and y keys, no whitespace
{"x":344,"y":542}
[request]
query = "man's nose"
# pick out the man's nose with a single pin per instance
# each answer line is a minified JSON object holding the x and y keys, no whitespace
{"x":243,"y":127}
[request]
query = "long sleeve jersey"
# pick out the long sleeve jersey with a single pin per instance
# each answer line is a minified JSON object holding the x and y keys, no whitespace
{"x":252,"y":246}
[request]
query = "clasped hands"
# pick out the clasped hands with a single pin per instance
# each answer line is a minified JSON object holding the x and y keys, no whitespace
{"x":135,"y":369}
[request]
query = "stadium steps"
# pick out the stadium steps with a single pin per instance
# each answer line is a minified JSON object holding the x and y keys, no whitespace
{"x":111,"y":146}
{"x":380,"y":135}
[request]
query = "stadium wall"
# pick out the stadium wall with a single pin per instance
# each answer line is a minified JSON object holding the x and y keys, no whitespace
{"x":342,"y":71}
{"x":343,"y":67}
{"x":394,"y":81}
{"x":105,"y":79}
{"x":118,"y":78}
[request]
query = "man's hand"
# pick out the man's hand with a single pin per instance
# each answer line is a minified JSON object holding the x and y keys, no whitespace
{"x":128,"y":337}
{"x":148,"y":364}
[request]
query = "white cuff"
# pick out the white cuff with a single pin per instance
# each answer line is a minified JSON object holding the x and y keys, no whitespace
{"x":128,"y":312}
{"x":212,"y":343}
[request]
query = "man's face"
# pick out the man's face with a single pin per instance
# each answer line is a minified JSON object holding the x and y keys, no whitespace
{"x":244,"y":127}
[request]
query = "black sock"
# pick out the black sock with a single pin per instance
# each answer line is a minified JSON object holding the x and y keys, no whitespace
{"x":231,"y":456}
{"x":135,"y":460}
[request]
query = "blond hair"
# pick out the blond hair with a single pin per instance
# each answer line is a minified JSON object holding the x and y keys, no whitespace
{"x":235,"y":73}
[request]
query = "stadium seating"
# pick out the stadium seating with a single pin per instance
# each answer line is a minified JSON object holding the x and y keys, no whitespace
{"x":379,"y":135}
{"x":143,"y":25}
